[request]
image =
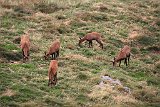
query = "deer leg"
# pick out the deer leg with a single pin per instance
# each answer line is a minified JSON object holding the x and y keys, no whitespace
{"x":23,"y":56}
{"x":28,"y":55}
{"x":119,"y":63}
{"x":23,"y":53}
{"x":55,"y":79}
{"x":52,"y":79}
{"x":101,"y":45}
{"x":57,"y":53}
{"x":125,"y":61}
{"x":128,"y":58}
{"x":49,"y":80}
{"x":54,"y":55}
{"x":89,"y":44}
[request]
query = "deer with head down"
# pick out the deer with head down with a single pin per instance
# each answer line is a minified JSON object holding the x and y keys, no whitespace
{"x":25,"y":46}
{"x":53,"y":50}
{"x":124,"y":54}
{"x":52,"y":72}
{"x":90,"y":37}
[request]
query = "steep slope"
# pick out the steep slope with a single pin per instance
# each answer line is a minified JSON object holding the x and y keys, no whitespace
{"x":120,"y":22}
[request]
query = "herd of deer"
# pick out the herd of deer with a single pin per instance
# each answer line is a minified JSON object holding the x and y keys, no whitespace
{"x":124,"y":53}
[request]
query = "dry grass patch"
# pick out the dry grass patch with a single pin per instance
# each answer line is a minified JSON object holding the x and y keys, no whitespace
{"x":100,"y":6}
{"x":37,"y":36}
{"x":91,"y":16}
{"x":78,"y":57}
{"x":100,"y":58}
{"x":3,"y":11}
{"x":34,"y":48}
{"x":32,"y":104}
{"x":70,"y":46}
{"x":107,"y":91}
{"x":8,"y":92}
{"x":22,"y":3}
{"x":41,"y":15}
{"x":67,"y":22}
{"x":119,"y":99}
{"x":133,"y":34}
{"x":136,"y":32}
{"x":147,"y":93}
{"x":100,"y":92}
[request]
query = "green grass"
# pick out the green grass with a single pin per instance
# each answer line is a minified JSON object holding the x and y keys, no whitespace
{"x":80,"y":68}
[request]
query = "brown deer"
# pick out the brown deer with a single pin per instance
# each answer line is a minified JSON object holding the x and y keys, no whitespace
{"x":25,"y":46}
{"x":91,"y":36}
{"x":52,"y":72}
{"x":53,"y":50}
{"x":124,"y":54}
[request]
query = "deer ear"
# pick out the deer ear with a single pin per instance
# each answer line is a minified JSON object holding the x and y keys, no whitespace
{"x":80,"y":38}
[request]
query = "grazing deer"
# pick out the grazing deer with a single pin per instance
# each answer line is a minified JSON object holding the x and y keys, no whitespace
{"x":53,"y":50}
{"x":25,"y":46}
{"x":52,"y":72}
{"x":124,"y":54}
{"x":91,"y":36}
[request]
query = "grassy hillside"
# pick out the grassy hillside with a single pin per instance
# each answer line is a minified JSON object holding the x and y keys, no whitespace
{"x":121,"y":22}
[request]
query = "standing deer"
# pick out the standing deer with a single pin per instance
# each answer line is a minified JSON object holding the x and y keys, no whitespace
{"x":52,"y":72}
{"x":91,"y":36}
{"x":25,"y":46}
{"x":124,"y":54}
{"x":53,"y":50}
